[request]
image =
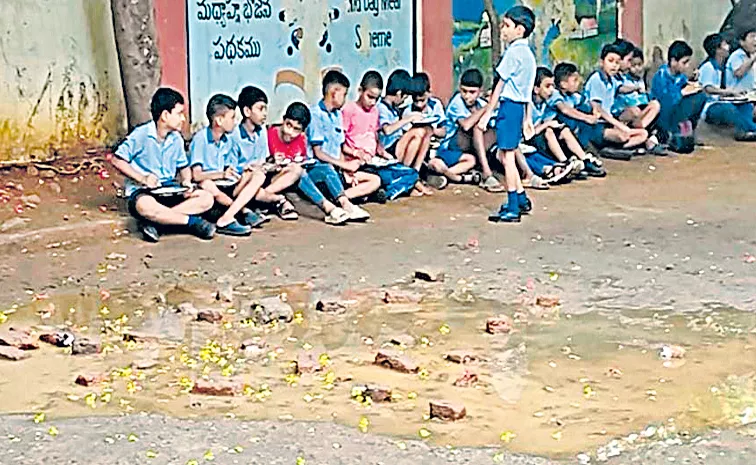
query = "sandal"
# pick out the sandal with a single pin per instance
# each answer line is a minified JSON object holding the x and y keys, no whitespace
{"x":491,"y":184}
{"x":471,"y":178}
{"x":562,"y":176}
{"x":538,"y":183}
{"x":286,"y":210}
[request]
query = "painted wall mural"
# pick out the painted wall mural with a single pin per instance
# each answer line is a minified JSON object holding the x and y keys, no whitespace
{"x":284,"y":46}
{"x":566,"y":30}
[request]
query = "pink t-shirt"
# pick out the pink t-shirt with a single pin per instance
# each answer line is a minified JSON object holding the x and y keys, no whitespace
{"x":361,"y":127}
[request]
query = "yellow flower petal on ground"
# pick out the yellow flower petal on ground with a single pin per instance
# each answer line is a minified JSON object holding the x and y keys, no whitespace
{"x":364,"y":424}
{"x":39,"y":418}
{"x":507,"y":436}
{"x":444,"y":329}
{"x":209,"y":456}
{"x":53,"y":431}
{"x":132,"y":438}
{"x":151,"y":454}
{"x":424,"y":433}
{"x":557,"y":436}
{"x":301,"y":461}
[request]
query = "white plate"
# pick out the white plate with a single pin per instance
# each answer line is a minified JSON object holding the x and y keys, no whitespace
{"x":427,"y":121}
{"x":225,"y":182}
{"x":169,"y":190}
{"x":379,"y":162}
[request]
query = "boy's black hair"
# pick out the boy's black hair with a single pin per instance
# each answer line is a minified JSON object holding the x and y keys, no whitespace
{"x":679,"y":50}
{"x":249,"y":96}
{"x":522,"y":16}
{"x":563,"y":71}
{"x":372,"y":80}
{"x":711,"y":44}
{"x":471,"y":78}
{"x":625,"y":47}
{"x":333,"y":78}
{"x":744,"y":33}
{"x":421,"y":84}
{"x":398,"y":81}
{"x":542,"y":73}
{"x":164,"y":99}
{"x":219,"y":104}
{"x":608,"y":49}
{"x":638,"y":53}
{"x":298,"y":112}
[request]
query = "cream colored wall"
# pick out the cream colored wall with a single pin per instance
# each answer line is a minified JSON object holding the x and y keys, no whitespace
{"x":665,"y":21}
{"x":59,"y":76}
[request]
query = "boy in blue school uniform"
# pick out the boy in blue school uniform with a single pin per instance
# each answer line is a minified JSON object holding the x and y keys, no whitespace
{"x":716,"y":111}
{"x":739,"y":73}
{"x":325,"y":138}
{"x":680,"y":100}
{"x":632,"y":105}
{"x":214,"y":159}
{"x":552,"y":137}
{"x":151,"y":157}
{"x":513,"y":93}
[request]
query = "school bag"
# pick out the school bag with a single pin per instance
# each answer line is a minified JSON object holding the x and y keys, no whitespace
{"x":396,"y":179}
{"x":684,"y":140}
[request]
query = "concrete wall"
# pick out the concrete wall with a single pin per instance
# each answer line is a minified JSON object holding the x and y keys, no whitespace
{"x":665,"y":21}
{"x":59,"y":76}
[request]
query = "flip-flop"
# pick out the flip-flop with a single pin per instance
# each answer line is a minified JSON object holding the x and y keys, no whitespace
{"x":286,"y":211}
{"x":538,"y":183}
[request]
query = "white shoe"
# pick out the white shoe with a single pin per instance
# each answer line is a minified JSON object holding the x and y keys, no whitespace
{"x":337,"y":216}
{"x":358,"y":214}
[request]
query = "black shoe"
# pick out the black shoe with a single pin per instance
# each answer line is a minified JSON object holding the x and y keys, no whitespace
{"x":593,"y":169}
{"x":255,"y":219}
{"x":526,"y":206}
{"x":657,"y":150}
{"x":616,"y":154}
{"x":202,"y":229}
{"x":437,"y":181}
{"x":149,"y":232}
{"x":379,"y":196}
{"x":504,"y":216}
{"x":745,"y":136}
{"x":234,"y":229}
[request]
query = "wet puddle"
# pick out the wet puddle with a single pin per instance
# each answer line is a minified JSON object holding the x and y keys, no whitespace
{"x":556,"y":386}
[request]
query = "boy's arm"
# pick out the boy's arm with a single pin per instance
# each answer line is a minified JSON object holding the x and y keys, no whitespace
{"x":149,"y":180}
{"x":608,"y":117}
{"x":574,"y":113}
{"x":744,"y":68}
{"x":411,"y":117}
{"x":199,"y":175}
{"x":468,"y":123}
{"x":185,"y":176}
{"x":352,"y":165}
{"x":492,"y":102}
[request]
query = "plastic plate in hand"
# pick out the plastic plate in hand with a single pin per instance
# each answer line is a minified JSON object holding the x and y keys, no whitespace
{"x":167,"y":191}
{"x":427,"y":121}
{"x":225,"y":182}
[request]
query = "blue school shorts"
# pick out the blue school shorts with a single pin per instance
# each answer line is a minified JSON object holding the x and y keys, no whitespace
{"x":509,"y":124}
{"x":449,"y":156}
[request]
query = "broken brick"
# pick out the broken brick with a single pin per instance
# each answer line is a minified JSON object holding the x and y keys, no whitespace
{"x":460,"y":356}
{"x":216,"y":388}
{"x":84,"y":346}
{"x":19,"y":339}
{"x":88,"y":380}
{"x":401,"y":297}
{"x":403,"y":340}
{"x":546,"y":301}
{"x":447,"y":411}
{"x":375,"y":392}
{"x":429,"y":274}
{"x":499,"y":325}
{"x":466,"y":380}
{"x":58,"y":339}
{"x":12,"y":353}
{"x":334,"y":307}
{"x":395,"y":361}
{"x":209,"y":315}
{"x":307,"y":363}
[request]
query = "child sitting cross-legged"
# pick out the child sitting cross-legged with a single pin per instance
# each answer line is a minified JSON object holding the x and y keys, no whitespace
{"x":552,"y":137}
{"x":362,"y":125}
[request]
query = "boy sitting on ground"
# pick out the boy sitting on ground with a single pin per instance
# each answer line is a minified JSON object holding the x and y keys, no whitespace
{"x":550,"y":134}
{"x":409,"y":146}
{"x":150,"y":157}
{"x":739,"y":71}
{"x":362,"y":124}
{"x":287,"y":145}
{"x":325,"y":136}
{"x":680,"y":100}
{"x":716,"y":111}
{"x":632,"y":104}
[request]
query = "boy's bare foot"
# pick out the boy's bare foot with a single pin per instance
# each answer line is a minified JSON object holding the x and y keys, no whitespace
{"x":425,"y":190}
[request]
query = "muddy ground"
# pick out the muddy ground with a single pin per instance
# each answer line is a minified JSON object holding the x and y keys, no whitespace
{"x":670,"y":234}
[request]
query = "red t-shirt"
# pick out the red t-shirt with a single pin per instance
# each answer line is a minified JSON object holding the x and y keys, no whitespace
{"x":295,"y":151}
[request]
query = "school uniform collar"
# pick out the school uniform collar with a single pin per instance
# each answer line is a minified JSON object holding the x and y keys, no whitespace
{"x":717,"y":66}
{"x":210,"y":140}
{"x":153,"y":134}
{"x":519,"y":42}
{"x":390,"y":106}
{"x":246,"y":135}
{"x":323,"y":107}
{"x":605,"y":78}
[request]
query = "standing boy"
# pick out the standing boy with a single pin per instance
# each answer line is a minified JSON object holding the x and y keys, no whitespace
{"x":287,"y":145}
{"x":513,"y":93}
{"x":680,"y":100}
{"x":409,"y":146}
{"x":325,"y":136}
{"x":151,"y":157}
{"x":717,"y":112}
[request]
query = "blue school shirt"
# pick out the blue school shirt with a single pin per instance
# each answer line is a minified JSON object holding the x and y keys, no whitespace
{"x":575,"y":100}
{"x":543,"y":111}
{"x":325,"y":130}
{"x":602,"y":88}
{"x":434,"y":107}
{"x":456,"y":111}
{"x":146,"y":155}
{"x":517,"y":69}
{"x":211,"y":156}
{"x":633,"y":99}
{"x":736,"y":60}
{"x":667,"y":87}
{"x":710,"y":75}
{"x":388,"y":114}
{"x":249,"y":149}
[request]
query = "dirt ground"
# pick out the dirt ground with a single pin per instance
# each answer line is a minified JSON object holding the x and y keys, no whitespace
{"x":672,"y":234}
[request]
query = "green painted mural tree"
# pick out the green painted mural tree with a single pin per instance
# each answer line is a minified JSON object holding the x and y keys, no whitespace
{"x":138,"y":55}
{"x":493,"y":17}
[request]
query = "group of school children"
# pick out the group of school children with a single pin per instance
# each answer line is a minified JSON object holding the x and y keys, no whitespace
{"x":542,"y":127}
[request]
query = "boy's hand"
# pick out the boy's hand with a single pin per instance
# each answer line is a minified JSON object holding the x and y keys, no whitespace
{"x":151,"y":181}
{"x":554,"y":124}
{"x":351,"y":165}
{"x":231,"y":173}
{"x":484,"y":120}
{"x":528,"y":130}
{"x":414,"y":116}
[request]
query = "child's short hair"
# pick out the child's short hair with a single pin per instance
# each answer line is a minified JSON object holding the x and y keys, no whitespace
{"x":638,"y":53}
{"x":744,"y":33}
{"x":471,"y":78}
{"x":372,"y":80}
{"x":219,"y":104}
{"x":298,"y":112}
{"x":624,"y":47}
{"x":711,"y":44}
{"x":563,"y":71}
{"x":542,"y":73}
{"x":398,"y":81}
{"x":609,"y":49}
{"x":249,"y":96}
{"x":164,"y":99}
{"x":334,"y":78}
{"x":420,"y":84}
{"x":679,"y":50}
{"x":522,"y":16}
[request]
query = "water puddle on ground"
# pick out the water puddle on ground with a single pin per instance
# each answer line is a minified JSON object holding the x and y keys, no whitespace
{"x":556,"y":386}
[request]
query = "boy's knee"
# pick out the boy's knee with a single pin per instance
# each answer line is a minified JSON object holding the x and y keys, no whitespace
{"x":294,"y":170}
{"x":654,"y":105}
{"x":205,"y":200}
{"x":147,"y":206}
{"x":209,"y":186}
